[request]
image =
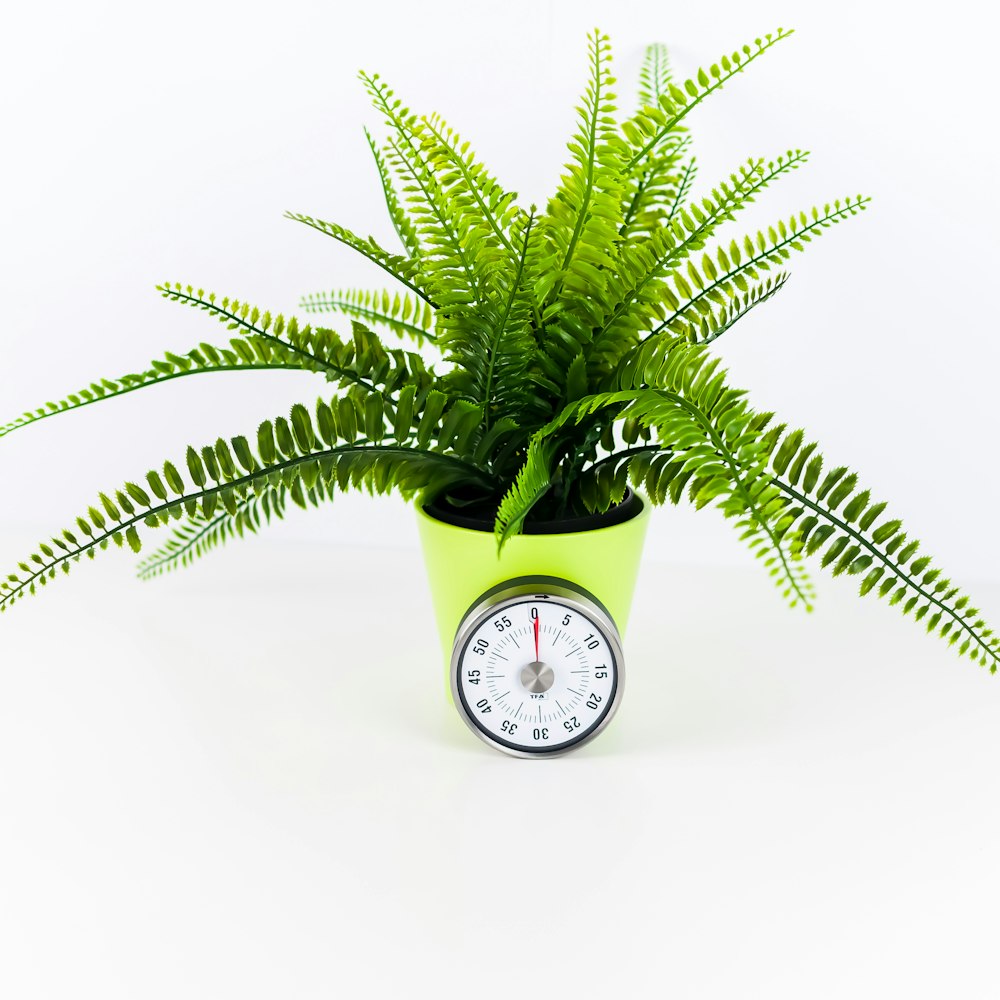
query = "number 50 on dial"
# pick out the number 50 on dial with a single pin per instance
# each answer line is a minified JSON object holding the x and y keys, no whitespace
{"x":536,"y":669}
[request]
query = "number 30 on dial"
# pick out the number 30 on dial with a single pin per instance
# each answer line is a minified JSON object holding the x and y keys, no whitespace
{"x":537,"y":668}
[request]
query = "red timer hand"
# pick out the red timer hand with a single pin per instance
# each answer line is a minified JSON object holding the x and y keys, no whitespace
{"x":536,"y":639}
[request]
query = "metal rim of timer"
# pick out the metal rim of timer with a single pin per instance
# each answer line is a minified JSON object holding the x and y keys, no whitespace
{"x":507,"y":595}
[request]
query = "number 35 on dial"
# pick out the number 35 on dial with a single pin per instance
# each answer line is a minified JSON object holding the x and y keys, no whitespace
{"x":537,"y":668}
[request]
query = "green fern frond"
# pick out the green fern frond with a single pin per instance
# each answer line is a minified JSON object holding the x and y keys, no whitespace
{"x":533,"y":479}
{"x":676,"y":389}
{"x":468,"y":184}
{"x":708,"y":327}
{"x":450,"y":266}
{"x":401,"y":313}
{"x":655,"y":75}
{"x":684,"y":185}
{"x":725,"y":469}
{"x":834,"y":519}
{"x":584,"y":215}
{"x":636,"y":292}
{"x":363,"y":361}
{"x":344,"y":446}
{"x":403,"y":269}
{"x":669,"y":366}
{"x":653,"y":181}
{"x":704,"y":426}
{"x":509,"y":386}
{"x":652,"y":191}
{"x":250,"y":353}
{"x":462,"y":217}
{"x":652,"y":125}
{"x":197,"y":535}
{"x":452,"y":239}
{"x":735,"y":267}
{"x":809,"y":513}
{"x":405,"y":229}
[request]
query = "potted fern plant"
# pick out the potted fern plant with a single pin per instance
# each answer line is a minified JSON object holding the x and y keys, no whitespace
{"x":572,"y":385}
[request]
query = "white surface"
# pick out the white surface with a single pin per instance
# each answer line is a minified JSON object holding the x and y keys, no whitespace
{"x":200,"y":800}
{"x":152,"y":144}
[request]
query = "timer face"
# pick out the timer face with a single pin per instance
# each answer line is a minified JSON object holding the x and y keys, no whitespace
{"x":537,"y":674}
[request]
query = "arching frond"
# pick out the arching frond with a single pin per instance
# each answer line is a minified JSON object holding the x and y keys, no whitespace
{"x":832,"y":517}
{"x":468,"y":185}
{"x":401,"y":222}
{"x":651,"y":126}
{"x":349,"y":444}
{"x":404,"y":315}
{"x":677,"y":390}
{"x":363,"y":361}
{"x":634,"y":296}
{"x":655,"y":75}
{"x":583,"y":217}
{"x":736,"y":266}
{"x":455,"y":240}
{"x":509,"y":385}
{"x":405,"y":270}
{"x":250,"y":353}
{"x":197,"y":535}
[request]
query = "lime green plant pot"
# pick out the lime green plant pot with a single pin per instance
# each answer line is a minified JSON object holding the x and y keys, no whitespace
{"x":463,"y":565}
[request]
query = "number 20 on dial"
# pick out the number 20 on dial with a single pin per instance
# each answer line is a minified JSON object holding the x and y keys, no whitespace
{"x":537,"y":671}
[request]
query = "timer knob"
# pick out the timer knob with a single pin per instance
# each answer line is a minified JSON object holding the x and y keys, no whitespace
{"x":537,"y":677}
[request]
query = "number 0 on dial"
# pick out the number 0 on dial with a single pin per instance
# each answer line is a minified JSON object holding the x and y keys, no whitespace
{"x":537,"y":672}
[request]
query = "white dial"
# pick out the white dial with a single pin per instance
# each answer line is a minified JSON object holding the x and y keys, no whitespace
{"x":537,"y":673}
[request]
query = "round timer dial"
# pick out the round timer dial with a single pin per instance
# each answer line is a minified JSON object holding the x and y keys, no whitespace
{"x":537,"y":672}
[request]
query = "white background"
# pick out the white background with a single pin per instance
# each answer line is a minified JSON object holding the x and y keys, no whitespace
{"x":229,"y":783}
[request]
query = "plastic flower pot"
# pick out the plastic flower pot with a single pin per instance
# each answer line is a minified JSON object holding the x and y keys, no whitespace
{"x":599,"y":555}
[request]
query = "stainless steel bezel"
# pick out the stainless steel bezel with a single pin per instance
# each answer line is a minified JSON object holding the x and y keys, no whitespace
{"x":541,"y":588}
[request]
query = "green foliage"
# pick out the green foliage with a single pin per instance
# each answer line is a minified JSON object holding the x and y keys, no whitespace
{"x":651,"y":125}
{"x":250,"y":352}
{"x":832,"y":518}
{"x":362,"y":362}
{"x":402,"y":314}
{"x":708,"y":431}
{"x":354,"y":442}
{"x":573,"y":361}
{"x":732,"y":271}
{"x":198,"y":534}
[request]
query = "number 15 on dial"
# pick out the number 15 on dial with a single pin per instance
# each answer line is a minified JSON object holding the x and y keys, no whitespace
{"x":537,"y":670}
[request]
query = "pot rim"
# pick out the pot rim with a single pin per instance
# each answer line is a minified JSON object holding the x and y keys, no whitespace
{"x":633,"y":507}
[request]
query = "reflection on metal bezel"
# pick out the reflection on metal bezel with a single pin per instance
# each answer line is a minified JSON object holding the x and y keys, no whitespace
{"x":541,"y":589}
